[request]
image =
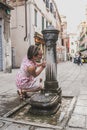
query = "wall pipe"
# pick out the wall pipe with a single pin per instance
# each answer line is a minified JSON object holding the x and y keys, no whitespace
{"x":25,"y":20}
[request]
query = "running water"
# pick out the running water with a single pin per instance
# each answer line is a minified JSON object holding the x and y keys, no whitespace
{"x":51,"y":65}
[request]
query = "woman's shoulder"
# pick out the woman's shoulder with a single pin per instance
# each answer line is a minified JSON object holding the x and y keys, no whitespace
{"x":27,"y":62}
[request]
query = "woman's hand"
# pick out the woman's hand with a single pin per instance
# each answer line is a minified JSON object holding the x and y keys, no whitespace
{"x":44,"y":64}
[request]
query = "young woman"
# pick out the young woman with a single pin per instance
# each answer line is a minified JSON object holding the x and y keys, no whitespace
{"x":26,"y":78}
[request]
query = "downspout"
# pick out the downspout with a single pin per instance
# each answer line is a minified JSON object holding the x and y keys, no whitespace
{"x":25,"y":21}
{"x":30,"y":22}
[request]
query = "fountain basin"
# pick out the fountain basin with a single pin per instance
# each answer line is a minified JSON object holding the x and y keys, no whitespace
{"x":59,"y":118}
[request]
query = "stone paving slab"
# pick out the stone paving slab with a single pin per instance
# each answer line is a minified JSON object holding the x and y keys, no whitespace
{"x":84,"y":91}
{"x":4,"y":124}
{"x":81,"y":110}
{"x":16,"y":127}
{"x":82,"y":96}
{"x":7,"y":103}
{"x":13,"y":125}
{"x":78,"y":121}
{"x":71,"y":128}
{"x":38,"y":128}
{"x":81,"y":102}
{"x":86,"y":122}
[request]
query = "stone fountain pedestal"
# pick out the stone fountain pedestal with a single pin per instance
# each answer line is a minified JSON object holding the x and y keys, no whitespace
{"x":45,"y":104}
{"x":49,"y":101}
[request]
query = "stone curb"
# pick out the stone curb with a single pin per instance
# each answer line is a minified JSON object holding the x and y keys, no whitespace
{"x":31,"y":123}
{"x":70,"y":110}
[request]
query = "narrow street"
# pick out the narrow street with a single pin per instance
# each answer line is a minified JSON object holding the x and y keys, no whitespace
{"x":61,"y":37}
{"x":71,"y":78}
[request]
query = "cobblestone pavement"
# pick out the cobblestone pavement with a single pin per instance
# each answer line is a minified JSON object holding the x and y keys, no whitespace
{"x":73,"y":81}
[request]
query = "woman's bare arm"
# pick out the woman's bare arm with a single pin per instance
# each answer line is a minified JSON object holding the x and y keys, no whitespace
{"x":35,"y":72}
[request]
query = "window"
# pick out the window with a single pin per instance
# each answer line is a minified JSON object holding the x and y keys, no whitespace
{"x":50,"y":23}
{"x":46,"y":24}
{"x":42,"y":23}
{"x":35,"y":11}
{"x":72,"y":51}
{"x":54,"y":14}
{"x":72,"y":43}
{"x":62,"y":42}
{"x":8,"y":1}
{"x":47,"y":3}
{"x":51,"y":7}
{"x":86,"y":29}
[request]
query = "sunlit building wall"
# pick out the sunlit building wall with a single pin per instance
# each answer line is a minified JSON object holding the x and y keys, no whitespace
{"x":83,"y":37}
{"x":63,"y":47}
{"x":73,"y":44}
{"x":29,"y":18}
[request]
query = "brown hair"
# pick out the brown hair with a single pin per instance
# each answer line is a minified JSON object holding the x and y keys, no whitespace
{"x":32,"y":51}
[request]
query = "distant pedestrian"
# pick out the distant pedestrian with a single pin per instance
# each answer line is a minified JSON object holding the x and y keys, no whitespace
{"x":26,"y":78}
{"x":70,"y":58}
{"x":80,"y":59}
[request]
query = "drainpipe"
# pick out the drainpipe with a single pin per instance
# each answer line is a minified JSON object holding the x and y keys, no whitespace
{"x":30,"y":22}
{"x":25,"y":21}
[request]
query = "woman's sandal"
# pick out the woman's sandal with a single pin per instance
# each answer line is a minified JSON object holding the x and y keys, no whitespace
{"x":26,"y":95}
{"x":21,"y":95}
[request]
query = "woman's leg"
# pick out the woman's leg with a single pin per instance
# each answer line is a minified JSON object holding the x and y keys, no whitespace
{"x":21,"y":94}
{"x":34,"y":87}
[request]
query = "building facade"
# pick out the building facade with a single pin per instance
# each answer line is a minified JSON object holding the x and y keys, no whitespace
{"x":83,"y":37}
{"x":28,"y":19}
{"x":5,"y":40}
{"x":73,"y":44}
{"x":63,"y":46}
